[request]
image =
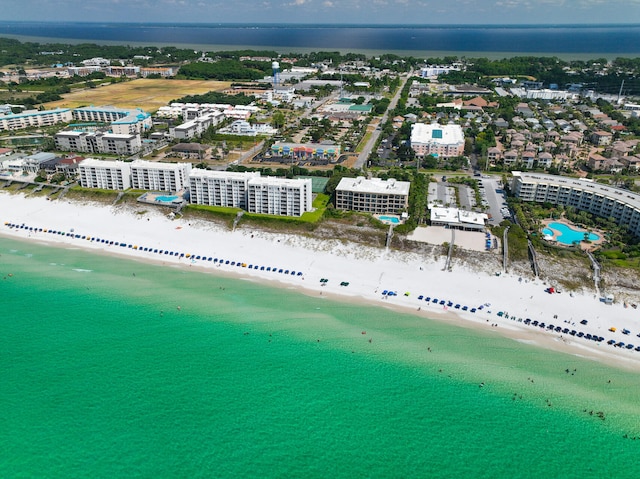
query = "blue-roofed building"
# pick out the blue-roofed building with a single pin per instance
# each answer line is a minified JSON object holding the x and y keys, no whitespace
{"x":124,"y":121}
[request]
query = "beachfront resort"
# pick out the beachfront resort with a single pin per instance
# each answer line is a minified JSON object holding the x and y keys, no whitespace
{"x":471,"y":167}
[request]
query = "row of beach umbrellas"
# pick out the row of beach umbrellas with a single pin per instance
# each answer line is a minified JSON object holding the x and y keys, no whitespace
{"x":191,"y":256}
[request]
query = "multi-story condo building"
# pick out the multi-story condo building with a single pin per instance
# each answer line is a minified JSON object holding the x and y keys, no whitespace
{"x":92,"y":142}
{"x":373,"y":195}
{"x":279,"y":196}
{"x":219,"y":188}
{"x":442,"y":141}
{"x":107,"y":175}
{"x":122,"y":120}
{"x":33,"y":118}
{"x":596,"y":198}
{"x":156,"y":176}
{"x":196,"y":127}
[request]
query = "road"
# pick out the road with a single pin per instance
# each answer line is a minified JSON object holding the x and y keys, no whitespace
{"x":366,"y":151}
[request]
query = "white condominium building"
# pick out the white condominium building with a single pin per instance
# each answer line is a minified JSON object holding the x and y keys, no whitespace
{"x":155,"y":176}
{"x":107,"y":175}
{"x":279,"y":196}
{"x":596,"y":198}
{"x":219,"y":188}
{"x":374,"y":196}
{"x":196,"y":127}
{"x":442,"y":141}
{"x":34,"y":118}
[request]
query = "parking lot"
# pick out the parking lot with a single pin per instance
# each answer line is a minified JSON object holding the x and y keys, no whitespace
{"x":494,"y":198}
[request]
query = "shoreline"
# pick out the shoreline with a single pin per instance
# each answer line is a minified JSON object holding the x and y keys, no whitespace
{"x":371,"y":52}
{"x":370,"y":271}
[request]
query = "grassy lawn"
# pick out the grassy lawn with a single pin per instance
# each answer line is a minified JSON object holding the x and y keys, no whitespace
{"x":141,"y":93}
{"x":364,"y":141}
{"x":308,"y":218}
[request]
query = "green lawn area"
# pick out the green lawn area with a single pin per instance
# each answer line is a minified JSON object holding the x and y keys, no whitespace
{"x":319,"y":203}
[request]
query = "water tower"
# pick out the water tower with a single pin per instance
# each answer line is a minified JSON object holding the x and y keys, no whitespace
{"x":275,"y":66}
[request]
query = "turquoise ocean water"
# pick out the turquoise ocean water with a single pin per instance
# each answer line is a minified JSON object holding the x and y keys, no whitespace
{"x":114,"y":368}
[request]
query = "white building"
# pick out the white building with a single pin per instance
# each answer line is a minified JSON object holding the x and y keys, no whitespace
{"x":219,"y":188}
{"x":435,"y":70}
{"x":156,"y":176}
{"x":373,"y":195}
{"x":596,"y":198}
{"x":244,"y":128}
{"x":457,"y":218}
{"x":34,"y":118}
{"x":96,"y":142}
{"x":279,"y":196}
{"x":107,"y":175}
{"x":196,"y":127}
{"x":96,"y":62}
{"x":442,"y":141}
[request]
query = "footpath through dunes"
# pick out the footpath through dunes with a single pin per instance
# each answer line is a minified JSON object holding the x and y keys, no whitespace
{"x":355,"y":273}
{"x":147,"y":94}
{"x":205,"y":372}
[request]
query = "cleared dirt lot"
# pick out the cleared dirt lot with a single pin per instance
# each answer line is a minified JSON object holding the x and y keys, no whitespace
{"x":141,"y":93}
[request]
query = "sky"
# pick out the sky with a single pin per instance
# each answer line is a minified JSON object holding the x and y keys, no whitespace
{"x":426,"y":12}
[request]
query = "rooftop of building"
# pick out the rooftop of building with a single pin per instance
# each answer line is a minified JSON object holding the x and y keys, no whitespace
{"x":157,"y":165}
{"x":239,"y":175}
{"x":94,"y":162}
{"x":374,"y":185}
{"x":436,"y":133}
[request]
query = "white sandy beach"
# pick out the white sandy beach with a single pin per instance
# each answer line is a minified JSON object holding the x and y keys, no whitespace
{"x":369,"y":271}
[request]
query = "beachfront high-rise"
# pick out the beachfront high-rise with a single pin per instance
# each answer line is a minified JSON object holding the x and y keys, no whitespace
{"x":442,"y":141}
{"x":156,"y":176}
{"x":107,"y":175}
{"x":596,"y":198}
{"x":279,"y":196}
{"x":219,"y":188}
{"x":251,"y":192}
{"x":373,"y":195}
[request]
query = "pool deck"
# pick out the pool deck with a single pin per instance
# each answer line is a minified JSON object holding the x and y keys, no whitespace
{"x":152,"y":198}
{"x":588,"y":246}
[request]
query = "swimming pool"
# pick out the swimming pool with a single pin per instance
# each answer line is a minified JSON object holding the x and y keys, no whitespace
{"x":166,"y":199}
{"x":389,"y":219}
{"x":567,"y":235}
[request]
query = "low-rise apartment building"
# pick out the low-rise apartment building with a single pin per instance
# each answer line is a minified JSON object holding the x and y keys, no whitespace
{"x":34,"y":118}
{"x":98,"y":142}
{"x":122,"y":120}
{"x":373,"y":195}
{"x":596,"y":198}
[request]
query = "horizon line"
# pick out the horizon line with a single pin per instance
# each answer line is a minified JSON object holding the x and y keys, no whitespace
{"x":335,"y":24}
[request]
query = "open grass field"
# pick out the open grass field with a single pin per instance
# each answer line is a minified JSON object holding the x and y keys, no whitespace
{"x":141,"y":93}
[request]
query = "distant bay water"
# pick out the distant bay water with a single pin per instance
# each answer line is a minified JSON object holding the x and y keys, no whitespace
{"x":587,"y":41}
